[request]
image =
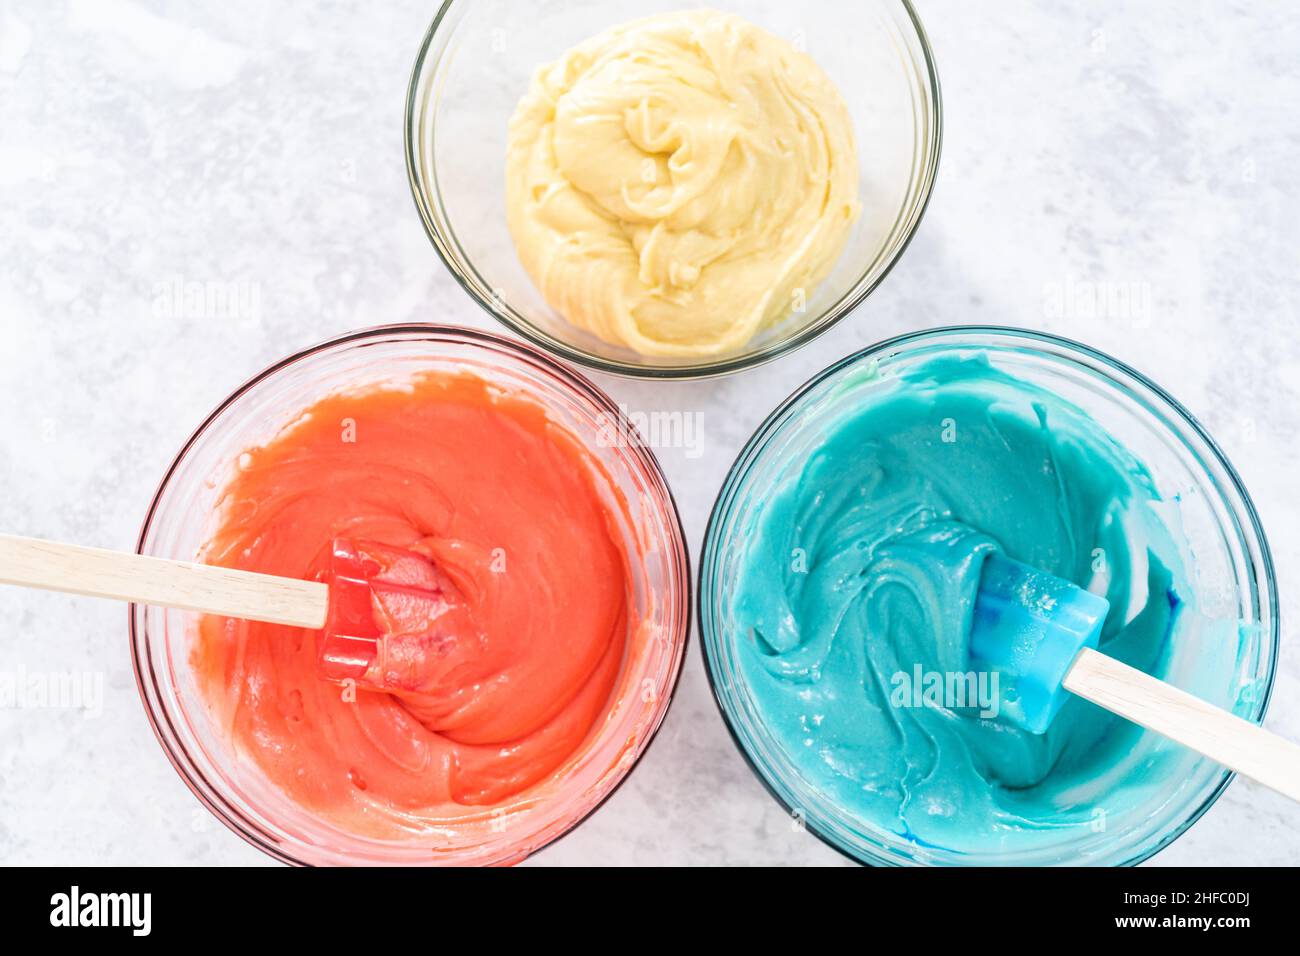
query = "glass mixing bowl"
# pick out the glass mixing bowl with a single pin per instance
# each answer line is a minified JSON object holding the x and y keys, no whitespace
{"x":233,"y":787}
{"x":476,"y":62}
{"x":1223,"y":550}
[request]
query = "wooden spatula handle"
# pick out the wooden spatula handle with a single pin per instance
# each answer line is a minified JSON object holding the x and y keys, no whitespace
{"x":1237,"y":744}
{"x":34,"y":563}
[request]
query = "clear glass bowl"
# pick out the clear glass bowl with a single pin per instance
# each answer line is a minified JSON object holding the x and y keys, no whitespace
{"x":1224,"y":552}
{"x":476,"y":62}
{"x":232,"y":787}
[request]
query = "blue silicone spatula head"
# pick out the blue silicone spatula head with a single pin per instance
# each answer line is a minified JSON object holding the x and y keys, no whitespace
{"x":1028,"y":627}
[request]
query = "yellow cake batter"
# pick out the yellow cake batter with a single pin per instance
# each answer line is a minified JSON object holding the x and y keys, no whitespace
{"x":677,"y":184}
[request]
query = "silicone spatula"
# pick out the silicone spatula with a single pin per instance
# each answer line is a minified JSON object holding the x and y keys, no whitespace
{"x":1040,"y":634}
{"x":369,"y":593}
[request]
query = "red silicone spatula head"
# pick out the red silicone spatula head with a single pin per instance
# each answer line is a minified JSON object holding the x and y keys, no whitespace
{"x":389,"y":611}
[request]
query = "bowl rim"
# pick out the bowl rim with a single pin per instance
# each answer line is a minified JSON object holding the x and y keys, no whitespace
{"x":751,"y":447}
{"x":160,"y":717}
{"x":710,"y":368}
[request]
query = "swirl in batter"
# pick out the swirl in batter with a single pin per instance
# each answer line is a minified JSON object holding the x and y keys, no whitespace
{"x":676,"y":184}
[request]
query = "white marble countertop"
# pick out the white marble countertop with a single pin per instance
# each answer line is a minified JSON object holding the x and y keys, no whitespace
{"x":257,"y":146}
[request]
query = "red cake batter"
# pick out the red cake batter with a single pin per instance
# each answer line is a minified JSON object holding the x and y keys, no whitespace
{"x":505,"y":504}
